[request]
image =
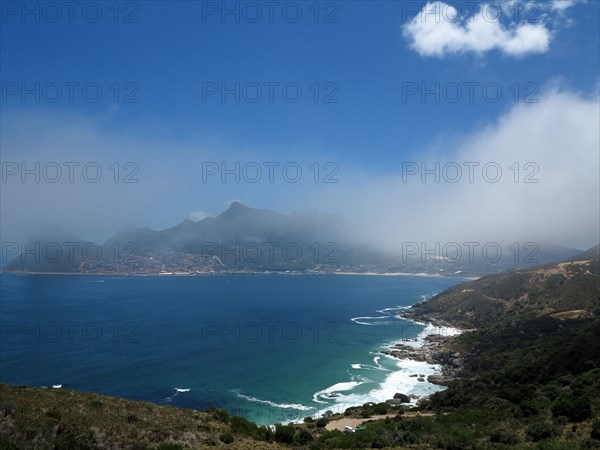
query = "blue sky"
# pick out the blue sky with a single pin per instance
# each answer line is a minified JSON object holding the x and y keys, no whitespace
{"x":364,"y":55}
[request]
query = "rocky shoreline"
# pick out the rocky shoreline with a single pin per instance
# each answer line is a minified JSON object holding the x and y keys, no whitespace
{"x":434,"y":348}
{"x":433,"y":351}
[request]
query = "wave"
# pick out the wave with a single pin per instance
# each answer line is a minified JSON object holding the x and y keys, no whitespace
{"x":177,"y":392}
{"x":249,"y":398}
{"x":345,"y":395}
{"x":361,"y":320}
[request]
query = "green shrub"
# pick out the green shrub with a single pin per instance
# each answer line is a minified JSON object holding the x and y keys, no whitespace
{"x":243,"y":426}
{"x":381,"y":408}
{"x":456,"y":439}
{"x":504,"y":437}
{"x":304,"y":437}
{"x":54,"y":413}
{"x":576,"y":408}
{"x":321,"y":423}
{"x":218,"y":414}
{"x":226,"y":438}
{"x":170,"y":446}
{"x":284,"y":433}
{"x":541,"y":430}
{"x":595,"y":433}
{"x":529,"y":408}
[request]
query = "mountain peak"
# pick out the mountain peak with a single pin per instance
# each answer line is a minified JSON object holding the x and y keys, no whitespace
{"x":235,"y":205}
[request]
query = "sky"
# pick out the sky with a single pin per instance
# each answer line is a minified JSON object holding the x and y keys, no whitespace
{"x":416,"y":120}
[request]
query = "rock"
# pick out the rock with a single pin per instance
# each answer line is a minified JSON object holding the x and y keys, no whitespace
{"x":457,"y":362}
{"x":437,"y":379}
{"x":421,"y":375}
{"x":402,"y":397}
{"x":413,"y":375}
{"x":394,"y":401}
{"x":443,"y":356}
{"x":420,"y":379}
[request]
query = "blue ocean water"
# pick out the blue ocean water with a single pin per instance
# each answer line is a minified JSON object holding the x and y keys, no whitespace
{"x":271,"y":348}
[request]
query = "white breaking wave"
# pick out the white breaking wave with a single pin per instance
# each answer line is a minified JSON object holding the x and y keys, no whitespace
{"x":177,"y":392}
{"x":333,"y":391}
{"x":345,"y":394}
{"x":361,"y":320}
{"x":249,"y":398}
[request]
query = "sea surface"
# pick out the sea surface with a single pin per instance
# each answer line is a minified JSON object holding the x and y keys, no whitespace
{"x":271,"y":348}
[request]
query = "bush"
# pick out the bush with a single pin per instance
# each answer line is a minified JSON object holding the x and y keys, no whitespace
{"x":456,"y":439}
{"x":595,"y":433}
{"x":219,"y":414}
{"x":380,"y":441}
{"x":504,"y":437}
{"x":304,"y":437}
{"x":321,"y":422}
{"x":381,"y":408}
{"x":54,"y":413}
{"x":243,"y":426}
{"x":284,"y":433}
{"x":529,"y":408}
{"x":169,"y":446}
{"x":576,"y":408}
{"x":541,"y":430}
{"x":226,"y":438}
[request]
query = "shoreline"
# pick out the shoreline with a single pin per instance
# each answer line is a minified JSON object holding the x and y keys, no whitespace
{"x":213,"y":274}
{"x":432,"y":348}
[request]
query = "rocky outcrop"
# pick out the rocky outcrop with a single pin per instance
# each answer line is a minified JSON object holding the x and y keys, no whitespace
{"x":435,"y":350}
{"x":402,"y":397}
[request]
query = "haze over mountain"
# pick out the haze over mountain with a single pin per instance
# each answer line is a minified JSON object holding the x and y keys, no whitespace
{"x":248,"y":239}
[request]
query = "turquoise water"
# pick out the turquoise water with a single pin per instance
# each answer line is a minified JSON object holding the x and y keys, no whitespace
{"x":270,"y":348}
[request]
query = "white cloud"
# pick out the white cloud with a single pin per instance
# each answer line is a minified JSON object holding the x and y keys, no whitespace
{"x":559,"y":135}
{"x":561,"y":5}
{"x":439,"y":30}
{"x":197,"y":216}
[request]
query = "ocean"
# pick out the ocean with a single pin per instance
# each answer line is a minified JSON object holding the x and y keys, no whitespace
{"x":271,"y":348}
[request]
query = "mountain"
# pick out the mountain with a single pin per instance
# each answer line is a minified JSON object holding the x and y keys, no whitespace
{"x":257,"y":240}
{"x":564,"y":290}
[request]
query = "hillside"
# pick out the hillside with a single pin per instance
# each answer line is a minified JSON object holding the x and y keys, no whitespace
{"x":564,"y":290}
{"x":35,"y":418}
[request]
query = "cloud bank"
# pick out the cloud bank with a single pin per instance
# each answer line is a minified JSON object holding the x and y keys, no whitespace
{"x":547,"y":191}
